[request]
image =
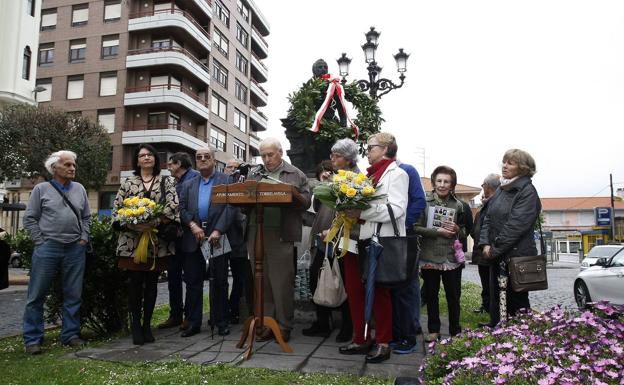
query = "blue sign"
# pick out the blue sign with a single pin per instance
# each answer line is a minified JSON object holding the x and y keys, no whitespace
{"x":603,"y":216}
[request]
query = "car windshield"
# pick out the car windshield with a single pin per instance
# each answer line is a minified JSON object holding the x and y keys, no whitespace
{"x":603,"y":251}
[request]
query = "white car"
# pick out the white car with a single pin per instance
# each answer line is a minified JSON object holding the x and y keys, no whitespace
{"x":604,"y":281}
{"x":600,"y":251}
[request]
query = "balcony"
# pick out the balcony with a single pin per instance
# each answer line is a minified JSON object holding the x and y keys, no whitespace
{"x":167,"y":94}
{"x":174,"y":18}
{"x":259,"y":70}
{"x":259,"y":121}
{"x":169,"y":56}
{"x":205,"y":6}
{"x":167,"y":133}
{"x":258,"y":45}
{"x":254,"y":145}
{"x":259,"y":97}
{"x":258,"y":20}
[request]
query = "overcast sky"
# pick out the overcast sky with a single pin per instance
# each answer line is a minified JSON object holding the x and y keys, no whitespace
{"x":483,"y":77}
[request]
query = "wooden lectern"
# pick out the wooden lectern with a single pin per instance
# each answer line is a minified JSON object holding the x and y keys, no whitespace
{"x":258,"y":194}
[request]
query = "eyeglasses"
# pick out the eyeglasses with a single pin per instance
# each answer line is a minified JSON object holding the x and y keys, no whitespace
{"x":334,"y":156}
{"x":146,"y":155}
{"x":371,"y":146}
{"x":203,"y":157}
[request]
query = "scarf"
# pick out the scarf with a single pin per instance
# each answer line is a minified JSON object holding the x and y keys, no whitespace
{"x":507,"y":182}
{"x":376,"y":170}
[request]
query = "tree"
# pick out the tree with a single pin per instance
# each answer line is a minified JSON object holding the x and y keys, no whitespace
{"x":29,"y":134}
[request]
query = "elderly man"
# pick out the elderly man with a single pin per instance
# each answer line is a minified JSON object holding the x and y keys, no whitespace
{"x":181,"y":168}
{"x":282,"y":227}
{"x":204,"y":221}
{"x":242,"y":285}
{"x":58,"y":219}
{"x":490,"y":184}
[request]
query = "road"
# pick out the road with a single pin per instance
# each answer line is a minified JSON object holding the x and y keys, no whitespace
{"x":12,"y":300}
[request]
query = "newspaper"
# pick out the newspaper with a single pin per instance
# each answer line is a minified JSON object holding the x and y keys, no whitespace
{"x":437,"y":215}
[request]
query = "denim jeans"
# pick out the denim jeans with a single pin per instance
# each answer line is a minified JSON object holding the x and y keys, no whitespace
{"x":48,"y":260}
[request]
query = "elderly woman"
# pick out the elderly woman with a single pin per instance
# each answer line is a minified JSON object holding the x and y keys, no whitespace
{"x":143,"y":277}
{"x":507,"y":229}
{"x":343,"y":156}
{"x":392,"y":184}
{"x":437,"y":256}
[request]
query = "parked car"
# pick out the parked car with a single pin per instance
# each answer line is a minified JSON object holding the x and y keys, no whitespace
{"x":15,"y":260}
{"x":604,"y":281}
{"x":600,"y":251}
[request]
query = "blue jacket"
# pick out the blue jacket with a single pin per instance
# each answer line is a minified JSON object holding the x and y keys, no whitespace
{"x":189,"y":175}
{"x":416,"y":202}
{"x":220,"y":215}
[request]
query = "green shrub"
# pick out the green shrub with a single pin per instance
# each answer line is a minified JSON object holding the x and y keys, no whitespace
{"x":104,"y":306}
{"x":21,"y":243}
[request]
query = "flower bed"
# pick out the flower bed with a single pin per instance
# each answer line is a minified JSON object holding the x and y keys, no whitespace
{"x":548,"y":348}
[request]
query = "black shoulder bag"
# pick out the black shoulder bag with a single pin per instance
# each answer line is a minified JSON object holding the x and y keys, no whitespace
{"x":398,"y":262}
{"x":73,"y":209}
{"x":167,"y":231}
{"x":529,"y":273}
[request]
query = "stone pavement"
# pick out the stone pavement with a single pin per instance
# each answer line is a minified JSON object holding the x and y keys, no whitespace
{"x":311,"y":354}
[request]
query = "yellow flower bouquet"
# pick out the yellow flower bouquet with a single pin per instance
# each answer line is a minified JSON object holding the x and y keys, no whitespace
{"x":347,"y":190}
{"x":135,"y":211}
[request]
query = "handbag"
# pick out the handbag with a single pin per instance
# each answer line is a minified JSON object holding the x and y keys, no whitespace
{"x":330,"y":290}
{"x":529,"y":273}
{"x":171,"y":230}
{"x":398,"y":262}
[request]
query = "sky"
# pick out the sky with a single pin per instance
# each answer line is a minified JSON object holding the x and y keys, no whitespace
{"x":482,"y":77}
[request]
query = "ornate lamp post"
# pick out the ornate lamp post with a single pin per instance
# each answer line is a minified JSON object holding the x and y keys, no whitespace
{"x":375,"y":85}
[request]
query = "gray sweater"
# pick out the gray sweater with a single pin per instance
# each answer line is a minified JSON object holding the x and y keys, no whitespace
{"x":49,"y":217}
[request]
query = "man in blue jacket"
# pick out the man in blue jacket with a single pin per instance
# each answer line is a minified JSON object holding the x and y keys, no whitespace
{"x":203,"y":221}
{"x":406,"y":300}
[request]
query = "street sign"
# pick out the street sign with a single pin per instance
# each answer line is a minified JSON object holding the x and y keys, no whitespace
{"x":603,"y":216}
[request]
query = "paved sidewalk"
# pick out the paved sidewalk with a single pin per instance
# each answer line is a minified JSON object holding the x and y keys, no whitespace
{"x":311,"y":354}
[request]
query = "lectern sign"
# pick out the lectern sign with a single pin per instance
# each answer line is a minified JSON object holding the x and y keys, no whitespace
{"x":253,"y":192}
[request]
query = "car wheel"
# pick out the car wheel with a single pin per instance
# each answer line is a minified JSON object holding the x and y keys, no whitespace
{"x":581,"y":294}
{"x":15,"y":262}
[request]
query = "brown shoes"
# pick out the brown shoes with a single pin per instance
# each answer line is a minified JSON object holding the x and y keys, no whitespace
{"x":185,"y":325}
{"x":169,"y":323}
{"x":433,"y":337}
{"x":355,"y":349}
{"x":378,"y":353}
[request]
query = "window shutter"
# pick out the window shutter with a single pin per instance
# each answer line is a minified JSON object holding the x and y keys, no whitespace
{"x":48,"y":20}
{"x":107,"y":120}
{"x":108,"y":85}
{"x":75,"y":89}
{"x":112,"y":11}
{"x":80,"y":15}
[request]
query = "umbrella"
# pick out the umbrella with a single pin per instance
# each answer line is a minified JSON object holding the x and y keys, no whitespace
{"x":211,"y":297}
{"x":502,"y":285}
{"x":373,"y":251}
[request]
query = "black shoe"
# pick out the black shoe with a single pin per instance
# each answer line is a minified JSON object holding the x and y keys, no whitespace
{"x":190,"y":332}
{"x":148,"y":337}
{"x":137,"y":334}
{"x":344,"y":335}
{"x":378,"y":353}
{"x":354,"y":349}
{"x":316,"y":331}
{"x":480,"y":310}
{"x":485,"y":324}
{"x":76,"y":342}
{"x":223,"y":331}
{"x":419,"y":331}
{"x":33,"y":349}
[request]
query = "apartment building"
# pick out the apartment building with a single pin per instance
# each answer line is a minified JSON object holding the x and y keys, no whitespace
{"x":173,"y":73}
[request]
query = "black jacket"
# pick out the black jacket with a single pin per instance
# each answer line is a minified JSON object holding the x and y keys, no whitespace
{"x":510,"y":219}
{"x":477,"y":250}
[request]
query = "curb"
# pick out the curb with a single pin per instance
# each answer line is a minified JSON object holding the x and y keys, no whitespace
{"x":19,"y":280}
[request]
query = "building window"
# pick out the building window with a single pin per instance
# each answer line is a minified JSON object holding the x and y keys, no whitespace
{"x":222,"y":12}
{"x":108,"y":83}
{"x":240,"y":151}
{"x":77,"y":50}
{"x":26,"y":63}
{"x":75,"y":87}
{"x":80,"y":15}
{"x":219,"y":73}
{"x":30,"y":7}
{"x":219,"y":166}
{"x":46,"y":54}
{"x":221,"y":43}
{"x":241,"y":63}
{"x":112,"y":10}
{"x":106,"y":119}
{"x":48,"y":19}
{"x":240,"y":91}
{"x":174,"y":121}
{"x":241,"y":35}
{"x":110,"y":46}
{"x":243,"y":10}
{"x":157,"y":120}
{"x":217,"y":139}
{"x":46,"y":95}
{"x":218,"y":106}
{"x":240,"y":120}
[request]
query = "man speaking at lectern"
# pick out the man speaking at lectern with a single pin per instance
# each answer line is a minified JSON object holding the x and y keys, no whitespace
{"x":282,"y":228}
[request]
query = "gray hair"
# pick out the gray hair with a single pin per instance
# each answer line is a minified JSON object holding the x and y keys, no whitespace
{"x":492,"y":180}
{"x":55,"y":156}
{"x":211,"y":150}
{"x":271,"y":142}
{"x":347,"y":148}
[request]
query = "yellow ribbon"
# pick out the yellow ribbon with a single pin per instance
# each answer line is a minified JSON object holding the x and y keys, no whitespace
{"x":141,"y":252}
{"x":341,"y":221}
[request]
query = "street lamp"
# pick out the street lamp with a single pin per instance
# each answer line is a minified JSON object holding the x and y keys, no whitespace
{"x":375,"y":85}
